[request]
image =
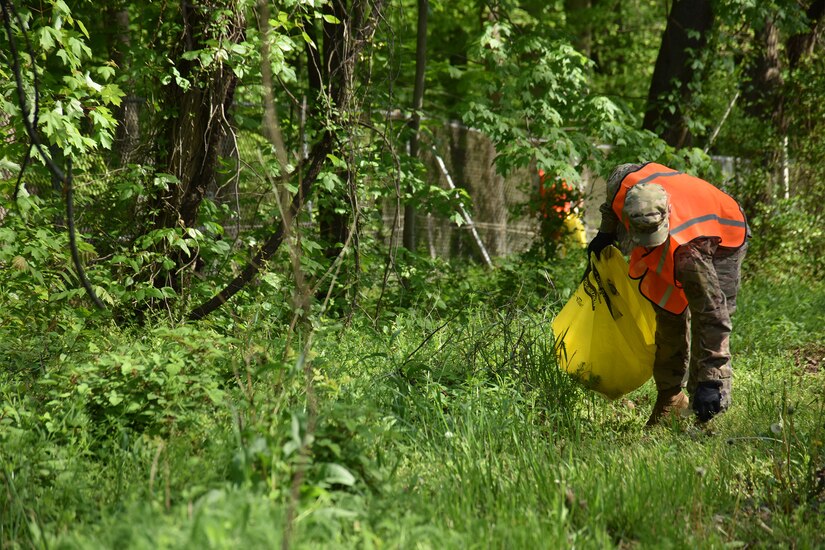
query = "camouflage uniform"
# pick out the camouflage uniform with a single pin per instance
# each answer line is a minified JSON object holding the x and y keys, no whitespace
{"x":699,"y":337}
{"x":693,"y":346}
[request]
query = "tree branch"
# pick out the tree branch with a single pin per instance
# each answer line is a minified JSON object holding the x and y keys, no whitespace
{"x":363,"y":26}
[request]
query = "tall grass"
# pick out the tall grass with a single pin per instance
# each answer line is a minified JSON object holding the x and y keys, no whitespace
{"x":450,"y":432}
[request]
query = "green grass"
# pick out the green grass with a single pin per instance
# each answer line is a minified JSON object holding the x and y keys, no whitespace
{"x":429,"y":433}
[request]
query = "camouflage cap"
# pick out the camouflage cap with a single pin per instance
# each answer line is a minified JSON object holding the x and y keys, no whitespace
{"x":646,"y":208}
{"x":620,"y":172}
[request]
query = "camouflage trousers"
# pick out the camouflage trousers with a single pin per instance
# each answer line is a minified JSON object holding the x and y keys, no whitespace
{"x":694,"y":346}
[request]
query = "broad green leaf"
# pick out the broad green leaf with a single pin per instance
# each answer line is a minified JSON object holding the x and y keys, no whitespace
{"x":337,"y":474}
{"x":112,"y":94}
{"x":61,"y":7}
{"x":46,"y":39}
{"x":114,"y":398}
{"x":52,"y":121}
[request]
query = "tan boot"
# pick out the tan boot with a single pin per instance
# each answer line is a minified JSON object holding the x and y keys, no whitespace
{"x":668,"y":403}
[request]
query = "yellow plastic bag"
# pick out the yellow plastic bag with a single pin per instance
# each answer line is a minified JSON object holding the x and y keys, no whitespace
{"x":574,"y":236}
{"x":574,"y":228}
{"x":605,"y":335}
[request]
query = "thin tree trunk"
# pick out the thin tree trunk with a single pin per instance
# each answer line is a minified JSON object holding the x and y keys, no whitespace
{"x":127,"y":134}
{"x":333,"y":214}
{"x":409,"y":236}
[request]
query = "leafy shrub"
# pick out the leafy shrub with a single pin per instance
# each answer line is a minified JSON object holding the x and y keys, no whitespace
{"x":788,"y":239}
{"x":154,"y":382}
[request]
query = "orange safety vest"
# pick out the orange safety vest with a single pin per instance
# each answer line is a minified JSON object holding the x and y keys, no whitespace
{"x":697,"y":209}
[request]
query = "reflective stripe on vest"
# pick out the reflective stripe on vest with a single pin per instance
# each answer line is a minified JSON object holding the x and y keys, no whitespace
{"x":697,"y":209}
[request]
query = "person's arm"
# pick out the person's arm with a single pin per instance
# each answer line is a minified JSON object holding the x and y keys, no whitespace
{"x":610,"y":221}
{"x":610,"y":229}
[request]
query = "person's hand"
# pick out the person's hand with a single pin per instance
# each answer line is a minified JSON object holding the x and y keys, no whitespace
{"x":708,"y":400}
{"x":600,"y":242}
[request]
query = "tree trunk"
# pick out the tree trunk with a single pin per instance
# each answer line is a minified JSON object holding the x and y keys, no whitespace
{"x":686,"y":33}
{"x":765,"y":92}
{"x":361,"y":22}
{"x":333,"y":210}
{"x":764,"y":83}
{"x":802,"y":45}
{"x":127,"y":134}
{"x":193,"y":137}
{"x":409,"y":236}
{"x":763,"y":100}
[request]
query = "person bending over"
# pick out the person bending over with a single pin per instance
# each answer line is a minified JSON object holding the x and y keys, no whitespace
{"x":689,"y":239}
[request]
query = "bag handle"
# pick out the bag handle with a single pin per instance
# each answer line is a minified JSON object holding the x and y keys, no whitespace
{"x":597,"y":291}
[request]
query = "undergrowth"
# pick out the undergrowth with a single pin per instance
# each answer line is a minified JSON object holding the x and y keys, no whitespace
{"x":437,"y":427}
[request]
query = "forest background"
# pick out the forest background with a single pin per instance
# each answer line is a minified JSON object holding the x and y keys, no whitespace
{"x":213,"y":336}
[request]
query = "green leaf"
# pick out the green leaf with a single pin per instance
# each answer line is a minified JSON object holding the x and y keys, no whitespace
{"x":191,"y":55}
{"x":114,"y":398}
{"x":168,"y":292}
{"x":77,"y":48}
{"x":174,"y":368}
{"x":104,"y":295}
{"x":335,"y":473}
{"x":153,"y":292}
{"x":61,"y":7}
{"x":336,"y":161}
{"x":307,"y":39}
{"x":83,"y":28}
{"x":112,"y":94}
{"x":105,"y":71}
{"x":180,"y":243}
{"x":272,"y":280}
{"x":331,"y":19}
{"x":46,"y":39}
{"x":52,"y":121}
{"x":102,"y":118}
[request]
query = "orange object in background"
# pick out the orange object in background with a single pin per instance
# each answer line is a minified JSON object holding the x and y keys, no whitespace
{"x":557,"y":196}
{"x":558,"y":213}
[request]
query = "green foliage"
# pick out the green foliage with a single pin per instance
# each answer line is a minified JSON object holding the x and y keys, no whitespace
{"x":622,"y":42}
{"x":100,"y":410}
{"x":38,"y":275}
{"x":75,"y":91}
{"x":529,"y":91}
{"x":788,"y":235}
{"x":453,"y":425}
{"x":153,"y":384}
{"x":422,"y":405}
